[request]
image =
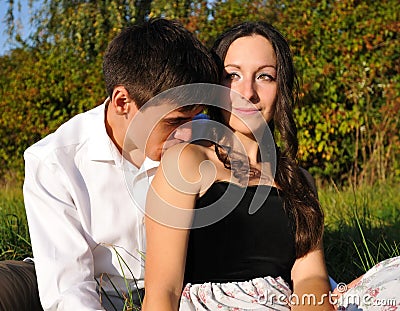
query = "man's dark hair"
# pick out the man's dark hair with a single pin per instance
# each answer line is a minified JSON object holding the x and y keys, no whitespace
{"x":155,"y":56}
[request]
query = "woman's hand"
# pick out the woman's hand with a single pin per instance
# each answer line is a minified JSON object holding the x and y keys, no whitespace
{"x":338,"y":293}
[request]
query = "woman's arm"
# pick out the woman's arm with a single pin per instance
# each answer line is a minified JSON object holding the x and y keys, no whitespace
{"x":169,"y":210}
{"x":311,"y":287}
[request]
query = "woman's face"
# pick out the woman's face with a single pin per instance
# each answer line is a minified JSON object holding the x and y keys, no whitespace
{"x":250,"y":70}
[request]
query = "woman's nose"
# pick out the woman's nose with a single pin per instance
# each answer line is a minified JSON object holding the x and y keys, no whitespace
{"x":248,"y":90}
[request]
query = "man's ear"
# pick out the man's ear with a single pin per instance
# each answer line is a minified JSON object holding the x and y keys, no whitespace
{"x":122,"y":102}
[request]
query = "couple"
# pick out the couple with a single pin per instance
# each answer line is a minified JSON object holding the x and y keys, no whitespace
{"x":85,"y":203}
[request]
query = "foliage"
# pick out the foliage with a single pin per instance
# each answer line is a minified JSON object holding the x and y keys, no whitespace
{"x":346,"y":52}
{"x":43,"y":90}
{"x":224,"y":14}
{"x":348,"y":55}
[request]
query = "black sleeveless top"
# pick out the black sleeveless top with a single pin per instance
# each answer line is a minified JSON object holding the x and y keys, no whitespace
{"x":242,"y":245}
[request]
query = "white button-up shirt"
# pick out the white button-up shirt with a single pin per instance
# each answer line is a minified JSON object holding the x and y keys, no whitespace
{"x":84,"y":206}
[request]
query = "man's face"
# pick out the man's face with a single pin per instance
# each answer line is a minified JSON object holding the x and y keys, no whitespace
{"x":166,"y":128}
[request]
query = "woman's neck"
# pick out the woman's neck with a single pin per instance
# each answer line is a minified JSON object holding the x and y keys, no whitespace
{"x":255,"y":150}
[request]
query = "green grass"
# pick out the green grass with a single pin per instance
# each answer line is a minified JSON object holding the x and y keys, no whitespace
{"x":362,"y":227}
{"x":14,"y":235}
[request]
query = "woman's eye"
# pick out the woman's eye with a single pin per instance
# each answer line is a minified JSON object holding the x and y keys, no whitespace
{"x":266,"y":76}
{"x":232,"y":76}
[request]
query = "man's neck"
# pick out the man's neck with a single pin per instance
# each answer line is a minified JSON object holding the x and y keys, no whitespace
{"x":127,"y":149}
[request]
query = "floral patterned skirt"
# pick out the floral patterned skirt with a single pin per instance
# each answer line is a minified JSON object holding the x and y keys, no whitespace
{"x":257,"y":294}
{"x":378,"y":289}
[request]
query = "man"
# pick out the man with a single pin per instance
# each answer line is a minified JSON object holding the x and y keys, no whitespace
{"x":86,"y":227}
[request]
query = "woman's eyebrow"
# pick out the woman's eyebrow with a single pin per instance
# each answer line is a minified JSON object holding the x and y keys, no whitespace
{"x":232,"y":65}
{"x":259,"y":68}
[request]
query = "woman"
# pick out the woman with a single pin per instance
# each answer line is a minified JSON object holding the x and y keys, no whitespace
{"x":252,"y":258}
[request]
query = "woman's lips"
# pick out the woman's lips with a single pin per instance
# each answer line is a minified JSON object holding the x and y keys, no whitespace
{"x":245,"y":111}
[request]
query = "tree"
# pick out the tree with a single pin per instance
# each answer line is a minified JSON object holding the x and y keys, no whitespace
{"x":346,"y":54}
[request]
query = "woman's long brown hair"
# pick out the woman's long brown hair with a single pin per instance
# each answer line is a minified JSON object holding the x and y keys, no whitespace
{"x":300,"y":199}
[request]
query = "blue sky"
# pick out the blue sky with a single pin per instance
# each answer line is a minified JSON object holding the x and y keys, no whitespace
{"x":22,"y":16}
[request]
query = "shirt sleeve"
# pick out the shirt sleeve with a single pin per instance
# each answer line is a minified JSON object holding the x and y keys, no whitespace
{"x":63,"y":257}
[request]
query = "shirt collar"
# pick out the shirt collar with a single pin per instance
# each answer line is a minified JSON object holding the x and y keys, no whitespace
{"x":101,"y":148}
{"x":146,"y":171}
{"x":148,"y":164}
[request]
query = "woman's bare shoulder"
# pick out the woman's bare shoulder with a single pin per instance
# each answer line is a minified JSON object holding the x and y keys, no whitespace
{"x":188,"y":159}
{"x":184,"y":152}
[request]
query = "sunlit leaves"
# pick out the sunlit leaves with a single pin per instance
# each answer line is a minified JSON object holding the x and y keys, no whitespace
{"x":347,"y":54}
